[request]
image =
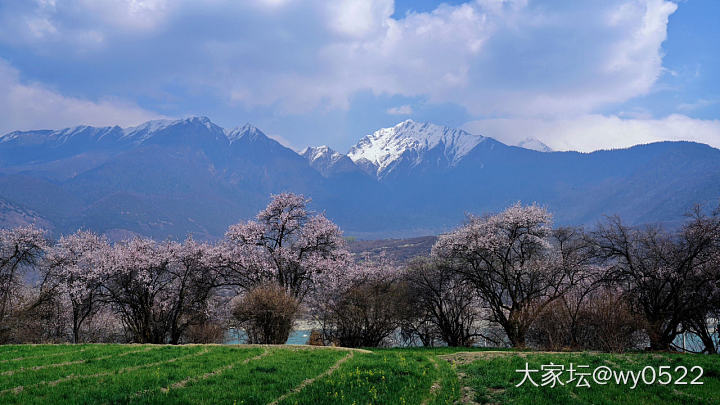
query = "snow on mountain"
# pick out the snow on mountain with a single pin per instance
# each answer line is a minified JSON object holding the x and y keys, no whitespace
{"x":174,"y":177}
{"x":57,"y":137}
{"x":320,"y":153}
{"x":195,"y":131}
{"x":327,"y":161}
{"x":248,"y":130}
{"x":533,"y":144}
{"x":129,"y":135}
{"x":411,"y":140}
{"x":148,"y":129}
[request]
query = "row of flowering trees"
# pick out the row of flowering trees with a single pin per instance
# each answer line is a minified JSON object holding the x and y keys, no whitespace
{"x":509,"y":278}
{"x":159,"y":291}
{"x":552,"y":285}
{"x":155,"y":290}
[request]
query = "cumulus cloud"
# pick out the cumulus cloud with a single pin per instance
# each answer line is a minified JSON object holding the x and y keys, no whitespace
{"x":591,"y":132}
{"x":542,"y":69}
{"x":509,"y":57}
{"x":400,"y":110}
{"x":33,"y":106}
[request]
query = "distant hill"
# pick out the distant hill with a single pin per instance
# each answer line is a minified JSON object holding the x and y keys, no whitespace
{"x":399,"y":250}
{"x":170,"y":178}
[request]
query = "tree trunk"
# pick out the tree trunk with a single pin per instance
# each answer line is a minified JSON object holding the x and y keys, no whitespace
{"x":76,"y":325}
{"x":660,"y":339}
{"x":515,"y":334}
{"x":515,"y":329}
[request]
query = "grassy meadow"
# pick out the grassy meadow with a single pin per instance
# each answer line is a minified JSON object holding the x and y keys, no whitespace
{"x":228,"y":374}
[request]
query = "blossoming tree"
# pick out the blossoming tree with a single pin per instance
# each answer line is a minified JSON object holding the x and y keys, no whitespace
{"x":362,"y":306}
{"x":160,"y":289}
{"x":75,"y":272}
{"x":286,"y":245}
{"x":511,"y":260}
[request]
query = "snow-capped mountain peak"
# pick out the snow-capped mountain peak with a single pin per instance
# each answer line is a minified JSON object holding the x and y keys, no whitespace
{"x":533,"y":144}
{"x":56,"y":136}
{"x":327,"y":161}
{"x":412,"y":140}
{"x":248,"y":129}
{"x":167,"y":127}
{"x":148,"y":127}
{"x":323,"y":152}
{"x":161,"y":124}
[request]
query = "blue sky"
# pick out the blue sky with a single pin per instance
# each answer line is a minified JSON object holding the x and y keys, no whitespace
{"x":579,"y":75}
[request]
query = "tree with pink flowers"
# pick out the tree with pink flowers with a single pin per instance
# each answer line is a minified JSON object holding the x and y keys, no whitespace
{"x":75,"y":272}
{"x":364,"y":306}
{"x":511,"y":260}
{"x":286,"y":244}
{"x":160,"y":289}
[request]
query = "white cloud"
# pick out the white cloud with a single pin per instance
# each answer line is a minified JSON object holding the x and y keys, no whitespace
{"x":543,"y":68}
{"x":591,"y":132}
{"x":131,"y":15}
{"x":701,"y":103}
{"x":400,"y":110}
{"x":502,"y":58}
{"x":358,"y":18}
{"x":33,"y":106}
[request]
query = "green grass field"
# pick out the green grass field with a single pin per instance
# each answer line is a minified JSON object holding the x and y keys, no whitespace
{"x":216,"y":374}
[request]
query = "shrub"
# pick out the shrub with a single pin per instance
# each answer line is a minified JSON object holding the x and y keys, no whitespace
{"x":206,"y":332}
{"x":315,"y":338}
{"x":266,"y":314}
{"x":444,"y":306}
{"x":616,"y":327}
{"x":365,"y":314}
{"x":605,"y":322}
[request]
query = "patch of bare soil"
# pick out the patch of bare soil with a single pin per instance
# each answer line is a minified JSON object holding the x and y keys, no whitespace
{"x":467,"y":394}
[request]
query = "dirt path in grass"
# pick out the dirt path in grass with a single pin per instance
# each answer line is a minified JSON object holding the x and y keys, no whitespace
{"x":9,"y":351}
{"x":467,"y":393}
{"x":309,"y":381}
{"x":436,"y":386}
{"x":20,"y":388}
{"x":69,"y":363}
{"x":43,"y":355}
{"x":183,"y":383}
{"x":306,"y":347}
{"x":469,"y":357}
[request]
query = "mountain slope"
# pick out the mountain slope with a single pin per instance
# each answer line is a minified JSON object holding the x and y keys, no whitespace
{"x":163,"y":178}
{"x":168,"y":178}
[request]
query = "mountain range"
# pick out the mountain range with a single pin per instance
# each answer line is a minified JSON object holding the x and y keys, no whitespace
{"x":170,"y":178}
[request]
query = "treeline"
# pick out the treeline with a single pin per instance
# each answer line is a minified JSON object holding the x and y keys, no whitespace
{"x":504,"y":279}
